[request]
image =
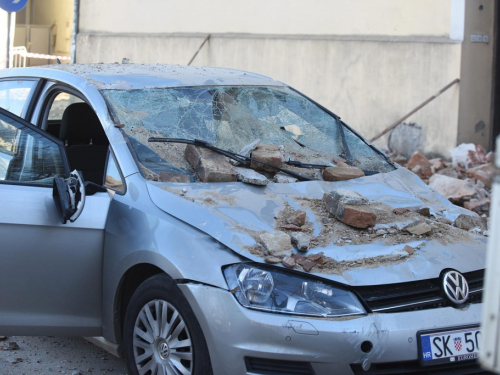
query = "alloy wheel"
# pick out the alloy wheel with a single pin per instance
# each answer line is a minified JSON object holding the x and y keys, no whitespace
{"x":161,"y":342}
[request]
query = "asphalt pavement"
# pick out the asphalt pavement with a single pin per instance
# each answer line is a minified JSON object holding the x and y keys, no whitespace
{"x":56,"y":355}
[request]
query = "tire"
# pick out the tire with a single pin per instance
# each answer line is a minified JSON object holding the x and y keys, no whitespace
{"x":161,"y":334}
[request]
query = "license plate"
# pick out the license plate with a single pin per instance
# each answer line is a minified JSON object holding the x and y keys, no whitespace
{"x":444,"y":346}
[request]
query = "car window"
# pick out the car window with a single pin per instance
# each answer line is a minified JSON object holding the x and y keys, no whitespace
{"x":26,"y":156}
{"x":113,"y":178}
{"x":14,"y":95}
{"x":60,"y":103}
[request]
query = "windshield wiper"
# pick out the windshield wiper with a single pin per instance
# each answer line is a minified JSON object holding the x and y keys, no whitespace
{"x":299,"y":164}
{"x":245,"y":160}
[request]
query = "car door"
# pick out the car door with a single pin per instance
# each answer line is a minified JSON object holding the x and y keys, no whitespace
{"x":50,"y":273}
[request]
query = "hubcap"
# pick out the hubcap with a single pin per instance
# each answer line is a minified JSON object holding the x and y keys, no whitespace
{"x":161,"y":342}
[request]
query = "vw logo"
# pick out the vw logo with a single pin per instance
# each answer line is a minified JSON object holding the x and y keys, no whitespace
{"x":163,"y":350}
{"x":455,"y":287}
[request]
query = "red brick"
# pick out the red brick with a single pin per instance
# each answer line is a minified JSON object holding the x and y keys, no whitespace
{"x":342,"y":173}
{"x":359,"y":216}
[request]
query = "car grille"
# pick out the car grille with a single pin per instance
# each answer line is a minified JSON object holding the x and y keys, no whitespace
{"x":262,"y":366}
{"x":413,"y":367}
{"x":416,"y":295}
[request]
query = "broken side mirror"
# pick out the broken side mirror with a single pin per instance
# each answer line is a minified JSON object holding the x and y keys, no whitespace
{"x":69,"y":196}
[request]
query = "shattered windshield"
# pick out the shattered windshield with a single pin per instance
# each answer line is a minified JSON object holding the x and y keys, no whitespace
{"x":231,"y":118}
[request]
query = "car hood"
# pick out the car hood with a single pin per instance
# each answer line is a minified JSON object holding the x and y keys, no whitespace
{"x":236,"y":213}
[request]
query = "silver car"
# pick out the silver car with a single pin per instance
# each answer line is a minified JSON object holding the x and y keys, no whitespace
{"x":203,"y":220}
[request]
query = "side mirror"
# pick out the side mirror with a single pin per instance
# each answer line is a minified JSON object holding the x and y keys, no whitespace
{"x":69,"y":196}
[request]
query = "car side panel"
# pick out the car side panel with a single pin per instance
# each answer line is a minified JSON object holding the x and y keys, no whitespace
{"x":51,"y":274}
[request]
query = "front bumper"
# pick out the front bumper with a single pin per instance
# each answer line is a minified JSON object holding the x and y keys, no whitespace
{"x":234,"y":333}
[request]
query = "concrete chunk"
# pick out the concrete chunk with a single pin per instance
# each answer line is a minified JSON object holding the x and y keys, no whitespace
{"x":302,"y":241}
{"x":249,"y":176}
{"x":418,"y":228}
{"x":298,"y":218}
{"x":277,"y":243}
{"x":269,"y":154}
{"x":452,"y":188}
{"x":342,"y":173}
{"x":467,"y":222}
{"x":208,"y":165}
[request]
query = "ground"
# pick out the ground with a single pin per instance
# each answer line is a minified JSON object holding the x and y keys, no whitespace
{"x":58,"y":355}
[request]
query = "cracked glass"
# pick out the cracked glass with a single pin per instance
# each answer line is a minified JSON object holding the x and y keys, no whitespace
{"x":230,"y":118}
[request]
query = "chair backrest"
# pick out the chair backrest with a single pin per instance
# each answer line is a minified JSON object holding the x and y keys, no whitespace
{"x":85,"y":140}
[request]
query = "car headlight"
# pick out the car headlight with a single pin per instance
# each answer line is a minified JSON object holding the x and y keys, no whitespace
{"x":270,"y":289}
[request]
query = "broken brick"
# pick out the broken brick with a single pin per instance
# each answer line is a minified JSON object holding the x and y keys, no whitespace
{"x":483,"y":173}
{"x":208,"y":165}
{"x":400,"y":210}
{"x":410,"y":250}
{"x":424,"y":211}
{"x":288,"y":262}
{"x":307,"y":265}
{"x":478,"y":206}
{"x":269,"y":154}
{"x":342,"y":173}
{"x":298,"y":256}
{"x":359,"y":216}
{"x":350,"y":208}
{"x":417,"y":159}
{"x":298,"y":218}
{"x":315,"y":257}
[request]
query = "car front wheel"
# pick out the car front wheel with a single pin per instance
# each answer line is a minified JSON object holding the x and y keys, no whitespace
{"x":161,"y":333}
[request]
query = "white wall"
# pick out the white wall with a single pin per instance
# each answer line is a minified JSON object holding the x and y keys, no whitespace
{"x":311,"y":17}
{"x":370,"y":84}
{"x":370,"y":61}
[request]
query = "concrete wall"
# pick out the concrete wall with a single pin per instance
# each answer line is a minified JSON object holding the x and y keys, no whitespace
{"x":369,"y":61}
{"x":475,"y":116}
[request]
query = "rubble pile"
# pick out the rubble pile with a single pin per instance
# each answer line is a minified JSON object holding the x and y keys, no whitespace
{"x":465,"y":180}
{"x":349,"y":219}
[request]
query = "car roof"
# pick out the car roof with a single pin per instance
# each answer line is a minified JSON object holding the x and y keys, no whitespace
{"x":137,"y":76}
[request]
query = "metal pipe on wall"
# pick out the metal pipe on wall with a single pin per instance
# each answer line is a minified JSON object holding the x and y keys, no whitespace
{"x":76,"y":17}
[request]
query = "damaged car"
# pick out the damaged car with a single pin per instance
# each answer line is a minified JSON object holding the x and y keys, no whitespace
{"x":201,"y":220}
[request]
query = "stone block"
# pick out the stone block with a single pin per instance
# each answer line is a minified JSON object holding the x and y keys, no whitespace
{"x":277,"y":243}
{"x":249,"y":176}
{"x":269,"y":154}
{"x":208,"y":165}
